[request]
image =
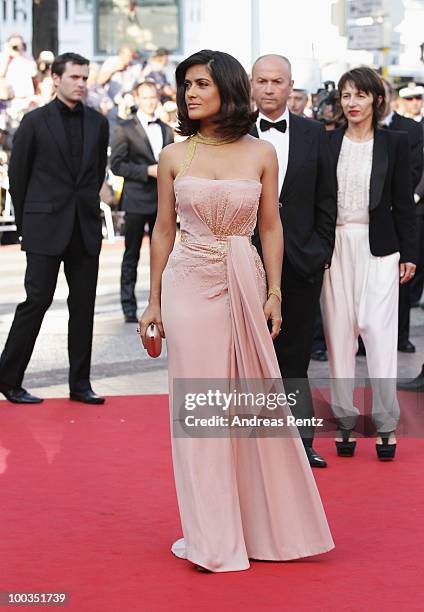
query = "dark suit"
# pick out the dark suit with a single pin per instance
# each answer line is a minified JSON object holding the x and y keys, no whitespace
{"x":417,"y":284}
{"x":419,"y":189}
{"x":415,"y":136}
{"x":392,"y":225}
{"x":57,"y":213}
{"x":132,"y":154}
{"x":308,"y":215}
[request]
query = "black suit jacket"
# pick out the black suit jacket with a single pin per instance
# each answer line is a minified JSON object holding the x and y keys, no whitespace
{"x":131,"y":156}
{"x":419,"y":189}
{"x":308,"y":198}
{"x":415,"y":136}
{"x":392,"y":224}
{"x":46,"y":195}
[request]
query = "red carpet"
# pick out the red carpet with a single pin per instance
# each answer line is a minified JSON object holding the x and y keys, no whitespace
{"x":88,"y":507}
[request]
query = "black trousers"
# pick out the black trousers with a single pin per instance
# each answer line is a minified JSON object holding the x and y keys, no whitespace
{"x":404,"y":313}
{"x":294,"y":343}
{"x":134,"y":232}
{"x":41,"y":274}
{"x":416,"y":285}
{"x":319,"y":343}
{"x":411,"y":292}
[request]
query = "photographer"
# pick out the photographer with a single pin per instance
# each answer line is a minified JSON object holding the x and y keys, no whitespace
{"x":45,"y":87}
{"x":19,"y":70}
{"x":326,"y":108}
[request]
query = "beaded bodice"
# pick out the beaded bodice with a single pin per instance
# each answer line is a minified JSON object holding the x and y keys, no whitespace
{"x":217,"y":209}
{"x":217,"y":218}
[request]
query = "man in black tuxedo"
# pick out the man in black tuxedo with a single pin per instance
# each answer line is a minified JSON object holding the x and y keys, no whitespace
{"x":308,"y":212}
{"x":393,"y":121}
{"x":413,"y":96}
{"x":56,"y":170}
{"x":136,"y":145}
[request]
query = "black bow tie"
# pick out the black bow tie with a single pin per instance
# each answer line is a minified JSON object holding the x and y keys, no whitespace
{"x":153,"y":121}
{"x":265,"y":125}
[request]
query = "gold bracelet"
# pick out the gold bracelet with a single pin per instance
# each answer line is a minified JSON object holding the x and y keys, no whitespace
{"x":275,"y":291}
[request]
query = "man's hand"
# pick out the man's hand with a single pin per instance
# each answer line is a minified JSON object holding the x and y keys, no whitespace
{"x":153,"y":171}
{"x":407,"y":272}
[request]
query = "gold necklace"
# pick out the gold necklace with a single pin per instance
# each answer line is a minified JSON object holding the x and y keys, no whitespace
{"x":209,"y":140}
{"x":196,"y":139}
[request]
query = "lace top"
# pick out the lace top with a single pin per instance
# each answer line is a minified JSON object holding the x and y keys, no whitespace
{"x":353,"y":178}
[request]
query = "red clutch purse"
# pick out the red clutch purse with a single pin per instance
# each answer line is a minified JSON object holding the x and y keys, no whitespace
{"x":153,"y":342}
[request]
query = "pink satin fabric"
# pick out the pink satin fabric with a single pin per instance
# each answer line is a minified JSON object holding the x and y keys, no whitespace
{"x":239,"y":498}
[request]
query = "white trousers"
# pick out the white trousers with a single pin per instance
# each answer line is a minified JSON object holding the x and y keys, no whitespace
{"x":360,"y":296}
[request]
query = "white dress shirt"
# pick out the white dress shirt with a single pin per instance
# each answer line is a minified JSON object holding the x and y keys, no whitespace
{"x":280,"y":142}
{"x":153,"y":131}
{"x":387,"y":120}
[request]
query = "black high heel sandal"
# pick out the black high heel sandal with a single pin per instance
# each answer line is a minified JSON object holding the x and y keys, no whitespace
{"x":346,"y":448}
{"x":386,"y":451}
{"x":202,"y":569}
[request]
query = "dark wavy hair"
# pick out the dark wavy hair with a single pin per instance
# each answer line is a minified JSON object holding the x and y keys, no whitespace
{"x":235,"y":118}
{"x":59,"y":64}
{"x":367,"y":80}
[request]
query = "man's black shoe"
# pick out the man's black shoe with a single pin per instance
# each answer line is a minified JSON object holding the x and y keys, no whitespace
{"x":315,"y":460}
{"x":19,"y":396}
{"x":406,"y":347}
{"x":417,"y":384}
{"x":319,"y":355}
{"x":87,"y":397}
{"x":130,"y":317}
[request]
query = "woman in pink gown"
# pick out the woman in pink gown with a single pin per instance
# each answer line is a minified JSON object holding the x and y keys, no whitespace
{"x":239,"y":498}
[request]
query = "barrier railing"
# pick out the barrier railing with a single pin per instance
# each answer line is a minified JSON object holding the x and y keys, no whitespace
{"x":7,"y":218}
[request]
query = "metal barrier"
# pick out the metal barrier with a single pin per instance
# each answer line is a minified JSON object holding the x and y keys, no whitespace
{"x":107,"y":211}
{"x":7,"y":218}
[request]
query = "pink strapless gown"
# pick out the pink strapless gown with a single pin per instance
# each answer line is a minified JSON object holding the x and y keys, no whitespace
{"x":239,"y":498}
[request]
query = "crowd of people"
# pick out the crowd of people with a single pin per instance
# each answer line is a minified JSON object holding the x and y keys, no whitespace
{"x":348,"y":188}
{"x":26,"y":83}
{"x":112,"y":90}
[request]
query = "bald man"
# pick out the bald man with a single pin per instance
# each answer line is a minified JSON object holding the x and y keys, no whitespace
{"x":308,"y":211}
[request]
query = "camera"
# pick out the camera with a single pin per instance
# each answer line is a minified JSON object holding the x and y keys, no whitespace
{"x":326,"y":105}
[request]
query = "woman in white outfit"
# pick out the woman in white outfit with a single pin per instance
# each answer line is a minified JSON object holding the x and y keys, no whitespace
{"x":375,"y":245}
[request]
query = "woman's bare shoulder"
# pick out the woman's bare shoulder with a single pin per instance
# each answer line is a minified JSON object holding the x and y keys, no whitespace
{"x":173,"y":155}
{"x":259,"y":145}
{"x":174,"y":150}
{"x":262,"y":150}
